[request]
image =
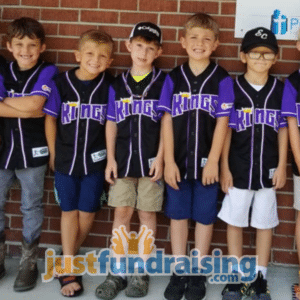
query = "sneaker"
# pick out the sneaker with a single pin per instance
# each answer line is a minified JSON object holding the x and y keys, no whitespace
{"x":137,"y":286}
{"x":110,"y":288}
{"x":234,"y":291}
{"x":176,"y":287}
{"x":196,"y":288}
{"x":258,"y":290}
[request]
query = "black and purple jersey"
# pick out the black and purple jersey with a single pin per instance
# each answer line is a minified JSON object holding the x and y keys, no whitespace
{"x":291,"y":103}
{"x":255,"y":120}
{"x":194,"y":103}
{"x":24,"y":141}
{"x":80,"y":108}
{"x":133,"y":106}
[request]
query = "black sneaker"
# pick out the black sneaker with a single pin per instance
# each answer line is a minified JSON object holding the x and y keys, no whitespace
{"x":176,"y":287}
{"x":196,"y":288}
{"x":258,"y":290}
{"x":234,"y":291}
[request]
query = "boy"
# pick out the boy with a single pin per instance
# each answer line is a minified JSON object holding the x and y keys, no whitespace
{"x":134,"y":148}
{"x":290,"y":109}
{"x":253,"y":163}
{"x":24,"y":151}
{"x":75,"y":122}
{"x":196,"y":98}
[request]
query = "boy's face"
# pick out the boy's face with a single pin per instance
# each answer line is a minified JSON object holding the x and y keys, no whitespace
{"x":94,"y":58}
{"x":259,"y":59}
{"x":143,"y":53}
{"x":199,"y":43}
{"x":26,"y":51}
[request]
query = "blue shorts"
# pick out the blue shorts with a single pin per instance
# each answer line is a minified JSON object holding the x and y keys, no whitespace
{"x":79,"y":192}
{"x":192,"y":201}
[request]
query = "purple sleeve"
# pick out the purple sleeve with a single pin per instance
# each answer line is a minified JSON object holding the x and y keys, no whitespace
{"x":232,"y":118}
{"x":226,"y":97}
{"x":282,"y":122}
{"x":111,"y":112}
{"x":3,"y":93}
{"x":288,"y":105}
{"x":53,"y":103}
{"x":165,"y":100}
{"x":41,"y":87}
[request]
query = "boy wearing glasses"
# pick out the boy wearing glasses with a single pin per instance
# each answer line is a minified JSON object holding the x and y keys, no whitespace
{"x":253,"y":162}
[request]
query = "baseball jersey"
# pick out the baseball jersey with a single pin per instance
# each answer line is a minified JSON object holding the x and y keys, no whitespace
{"x":255,"y":120}
{"x":133,"y":106}
{"x":80,"y":108}
{"x":24,"y":141}
{"x":291,"y":103}
{"x":194,"y":103}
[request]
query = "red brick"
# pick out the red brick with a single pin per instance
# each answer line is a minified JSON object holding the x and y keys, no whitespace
{"x":52,"y":210}
{"x":100,"y":227}
{"x":119,"y":5}
{"x":50,"y":57}
{"x":227,"y":36}
{"x":219,"y":237}
{"x":162,"y":219}
{"x":133,"y":18}
{"x":102,"y":215}
{"x":290,"y":54}
{"x":64,"y":44}
{"x":80,"y":3}
{"x":9,"y":2}
{"x":162,"y":232}
{"x":289,"y":172}
{"x":95,"y":241}
{"x":168,"y":34}
{"x":14,"y":250}
{"x":283,"y":242}
{"x":225,"y":22}
{"x":286,"y":214}
{"x":14,"y":235}
{"x":286,"y":257}
{"x":14,"y":13}
{"x":228,"y":8}
{"x":173,"y":49}
{"x":50,"y":238}
{"x":117,"y":31}
{"x":164,"y":245}
{"x":50,"y":3}
{"x":170,"y":20}
{"x":226,"y":51}
{"x":66,"y":58}
{"x":60,"y":15}
{"x":165,"y":62}
{"x":285,"y":228}
{"x":196,"y":6}
{"x":232,"y":65}
{"x":12,"y":208}
{"x":54,"y":224}
{"x":284,"y":68}
{"x":161,"y":5}
{"x":48,"y":185}
{"x":99,"y":16}
{"x":74,"y":29}
{"x":15,"y":195}
{"x":285,"y":200}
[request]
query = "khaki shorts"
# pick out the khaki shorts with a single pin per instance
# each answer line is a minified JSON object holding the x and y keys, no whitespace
{"x":137,"y":192}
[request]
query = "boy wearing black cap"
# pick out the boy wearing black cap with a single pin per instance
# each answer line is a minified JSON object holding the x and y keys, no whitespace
{"x":134,"y":150}
{"x":253,"y":162}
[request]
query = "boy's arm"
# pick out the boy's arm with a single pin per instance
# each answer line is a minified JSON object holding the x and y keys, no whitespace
{"x":210,"y":173}
{"x":172,"y":174}
{"x":226,"y":179}
{"x":294,"y":139}
{"x":279,"y":177}
{"x":50,"y":131}
{"x":10,"y":112}
{"x":111,"y":167}
{"x":157,"y":166}
{"x":26,"y":103}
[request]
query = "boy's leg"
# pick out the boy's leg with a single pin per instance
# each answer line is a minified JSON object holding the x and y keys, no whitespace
{"x":235,"y":240}
{"x":297,"y":230}
{"x":32,"y":184}
{"x":179,"y":235}
{"x":6,"y":180}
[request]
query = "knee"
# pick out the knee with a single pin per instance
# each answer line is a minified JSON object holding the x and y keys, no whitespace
{"x":123,"y":214}
{"x":147,"y":216}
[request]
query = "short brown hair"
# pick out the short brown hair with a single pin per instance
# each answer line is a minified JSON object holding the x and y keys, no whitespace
{"x":204,"y":21}
{"x":97,"y":36}
{"x":26,"y":27}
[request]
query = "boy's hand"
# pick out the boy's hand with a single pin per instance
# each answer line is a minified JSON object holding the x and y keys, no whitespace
{"x":279,"y":178}
{"x":172,"y":175}
{"x":156,"y":170}
{"x":111,"y":171}
{"x":210,"y":173}
{"x":226,"y":180}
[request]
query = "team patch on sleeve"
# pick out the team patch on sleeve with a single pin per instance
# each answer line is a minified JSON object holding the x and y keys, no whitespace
{"x":226,"y":106}
{"x":98,"y":156}
{"x":46,"y":88}
{"x":40,"y":152}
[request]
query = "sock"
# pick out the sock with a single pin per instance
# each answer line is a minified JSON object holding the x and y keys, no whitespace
{"x":121,"y":270}
{"x":263,"y":270}
{"x":140,"y":267}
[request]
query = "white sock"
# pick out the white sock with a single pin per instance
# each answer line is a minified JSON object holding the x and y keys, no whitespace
{"x":263,"y":270}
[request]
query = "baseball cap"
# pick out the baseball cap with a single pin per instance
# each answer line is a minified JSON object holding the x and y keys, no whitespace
{"x":259,"y":37}
{"x":148,"y":30}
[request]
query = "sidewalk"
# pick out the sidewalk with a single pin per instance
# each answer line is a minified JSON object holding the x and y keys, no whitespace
{"x":280,"y":280}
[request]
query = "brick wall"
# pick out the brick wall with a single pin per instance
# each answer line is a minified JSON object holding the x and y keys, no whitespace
{"x":64,"y":20}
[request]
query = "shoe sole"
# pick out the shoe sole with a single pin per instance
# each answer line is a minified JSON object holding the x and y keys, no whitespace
{"x":22,"y":289}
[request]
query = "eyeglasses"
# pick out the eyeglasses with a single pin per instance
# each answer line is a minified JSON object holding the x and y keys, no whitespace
{"x":264,"y":55}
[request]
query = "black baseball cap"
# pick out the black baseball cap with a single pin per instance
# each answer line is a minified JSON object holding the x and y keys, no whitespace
{"x":259,"y":37}
{"x":148,"y":30}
